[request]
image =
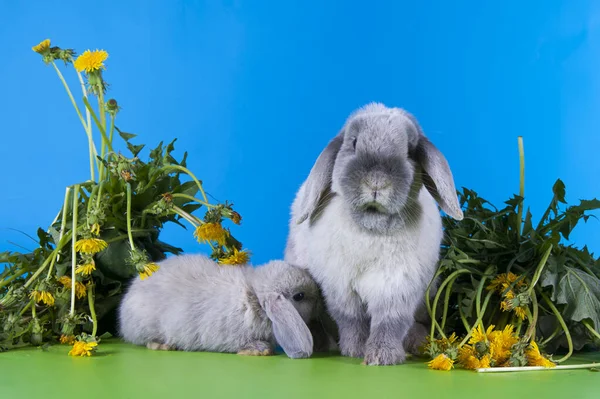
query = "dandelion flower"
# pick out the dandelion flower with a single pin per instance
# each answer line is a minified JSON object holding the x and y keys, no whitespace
{"x":479,"y":335}
{"x":80,"y":290}
{"x":520,"y":312}
{"x":441,"y":362}
{"x":237,"y":258}
{"x":148,"y":270}
{"x":81,"y":348}
{"x":505,"y":280}
{"x":42,"y":47}
{"x":42,"y":296}
{"x":91,"y":61}
{"x":65,"y":281}
{"x":467,"y":358}
{"x":211,"y":232}
{"x":67,"y":339}
{"x":90,"y":245}
{"x":535,"y":358}
{"x":86,"y":269}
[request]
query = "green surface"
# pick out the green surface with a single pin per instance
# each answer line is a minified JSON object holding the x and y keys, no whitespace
{"x":124,"y":371}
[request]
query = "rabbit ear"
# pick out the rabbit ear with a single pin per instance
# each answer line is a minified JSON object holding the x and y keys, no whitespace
{"x":319,"y":179}
{"x":438,"y":178}
{"x":291,"y":333}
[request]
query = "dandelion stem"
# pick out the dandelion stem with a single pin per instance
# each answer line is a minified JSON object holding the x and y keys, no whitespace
{"x":478,"y":296}
{"x":521,"y":184}
{"x":447,"y":302}
{"x":595,"y":333}
{"x":129,"y":217}
{"x":538,"y":270}
{"x":530,"y":332}
{"x":102,"y":111}
{"x":112,"y":128}
{"x":446,"y":282}
{"x":22,"y":312}
{"x":189,"y":197}
{"x":484,"y":306}
{"x":428,"y":295}
{"x":12,"y":278}
{"x":46,"y":262}
{"x":63,"y":221}
{"x":88,"y":119}
{"x":73,"y":251}
{"x":190,"y":174}
{"x":92,"y":150}
{"x":90,"y":295}
{"x":462,"y":314}
{"x":98,"y":124}
{"x":554,"y":334}
{"x":563,"y":325}
{"x":194,"y":221}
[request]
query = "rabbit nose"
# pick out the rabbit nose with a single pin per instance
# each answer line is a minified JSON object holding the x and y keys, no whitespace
{"x":377,"y":181}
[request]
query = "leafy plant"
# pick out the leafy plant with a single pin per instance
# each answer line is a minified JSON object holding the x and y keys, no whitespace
{"x":501,"y":270}
{"x":108,"y":229}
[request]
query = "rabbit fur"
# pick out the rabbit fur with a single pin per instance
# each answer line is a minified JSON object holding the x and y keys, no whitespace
{"x":365,"y":224}
{"x":193,"y":304}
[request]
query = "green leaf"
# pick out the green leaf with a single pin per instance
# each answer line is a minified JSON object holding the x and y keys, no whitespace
{"x":125,"y":136}
{"x":559,"y":191}
{"x":580,"y":293}
{"x":135,"y":149}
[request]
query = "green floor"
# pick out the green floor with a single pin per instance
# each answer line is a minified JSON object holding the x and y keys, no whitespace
{"x":124,"y":371}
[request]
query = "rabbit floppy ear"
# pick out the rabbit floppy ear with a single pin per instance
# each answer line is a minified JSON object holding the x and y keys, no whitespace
{"x":319,"y":179}
{"x":438,"y":178}
{"x":291,"y":333}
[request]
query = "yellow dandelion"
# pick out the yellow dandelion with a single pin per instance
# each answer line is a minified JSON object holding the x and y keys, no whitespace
{"x":42,"y":297}
{"x":520,"y":311}
{"x":535,"y":358}
{"x":442,"y":344}
{"x":505,"y":280}
{"x":42,"y":47}
{"x":65,"y":281}
{"x":81,"y":348}
{"x":237,"y":258}
{"x":90,"y":245}
{"x":485,"y":361}
{"x":467,"y":358}
{"x":211,"y":232}
{"x":441,"y":362}
{"x":95,"y":229}
{"x":479,"y":335}
{"x":149,"y":269}
{"x":91,"y":61}
{"x":86,"y":269}
{"x":67,"y":339}
{"x":80,"y":290}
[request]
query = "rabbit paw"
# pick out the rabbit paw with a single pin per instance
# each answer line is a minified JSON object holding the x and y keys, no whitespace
{"x":257,"y":348}
{"x":415,"y":338}
{"x":384,"y":356}
{"x":157,"y":346}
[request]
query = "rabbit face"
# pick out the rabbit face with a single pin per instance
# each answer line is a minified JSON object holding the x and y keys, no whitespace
{"x":293,"y":284}
{"x":374,"y":171}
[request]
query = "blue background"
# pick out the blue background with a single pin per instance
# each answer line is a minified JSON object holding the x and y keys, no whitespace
{"x":269,"y":83}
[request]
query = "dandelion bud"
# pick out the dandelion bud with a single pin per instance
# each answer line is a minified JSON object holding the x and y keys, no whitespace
{"x":112,"y":106}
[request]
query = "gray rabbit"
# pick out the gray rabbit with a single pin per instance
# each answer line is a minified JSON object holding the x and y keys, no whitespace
{"x":365,"y":224}
{"x":193,"y":304}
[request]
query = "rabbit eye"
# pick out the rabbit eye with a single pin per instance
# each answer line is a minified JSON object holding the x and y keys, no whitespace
{"x":354,"y":143}
{"x":298,"y":297}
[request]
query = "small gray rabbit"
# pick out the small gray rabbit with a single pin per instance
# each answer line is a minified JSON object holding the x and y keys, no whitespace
{"x":366,"y":225}
{"x":193,"y":304}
